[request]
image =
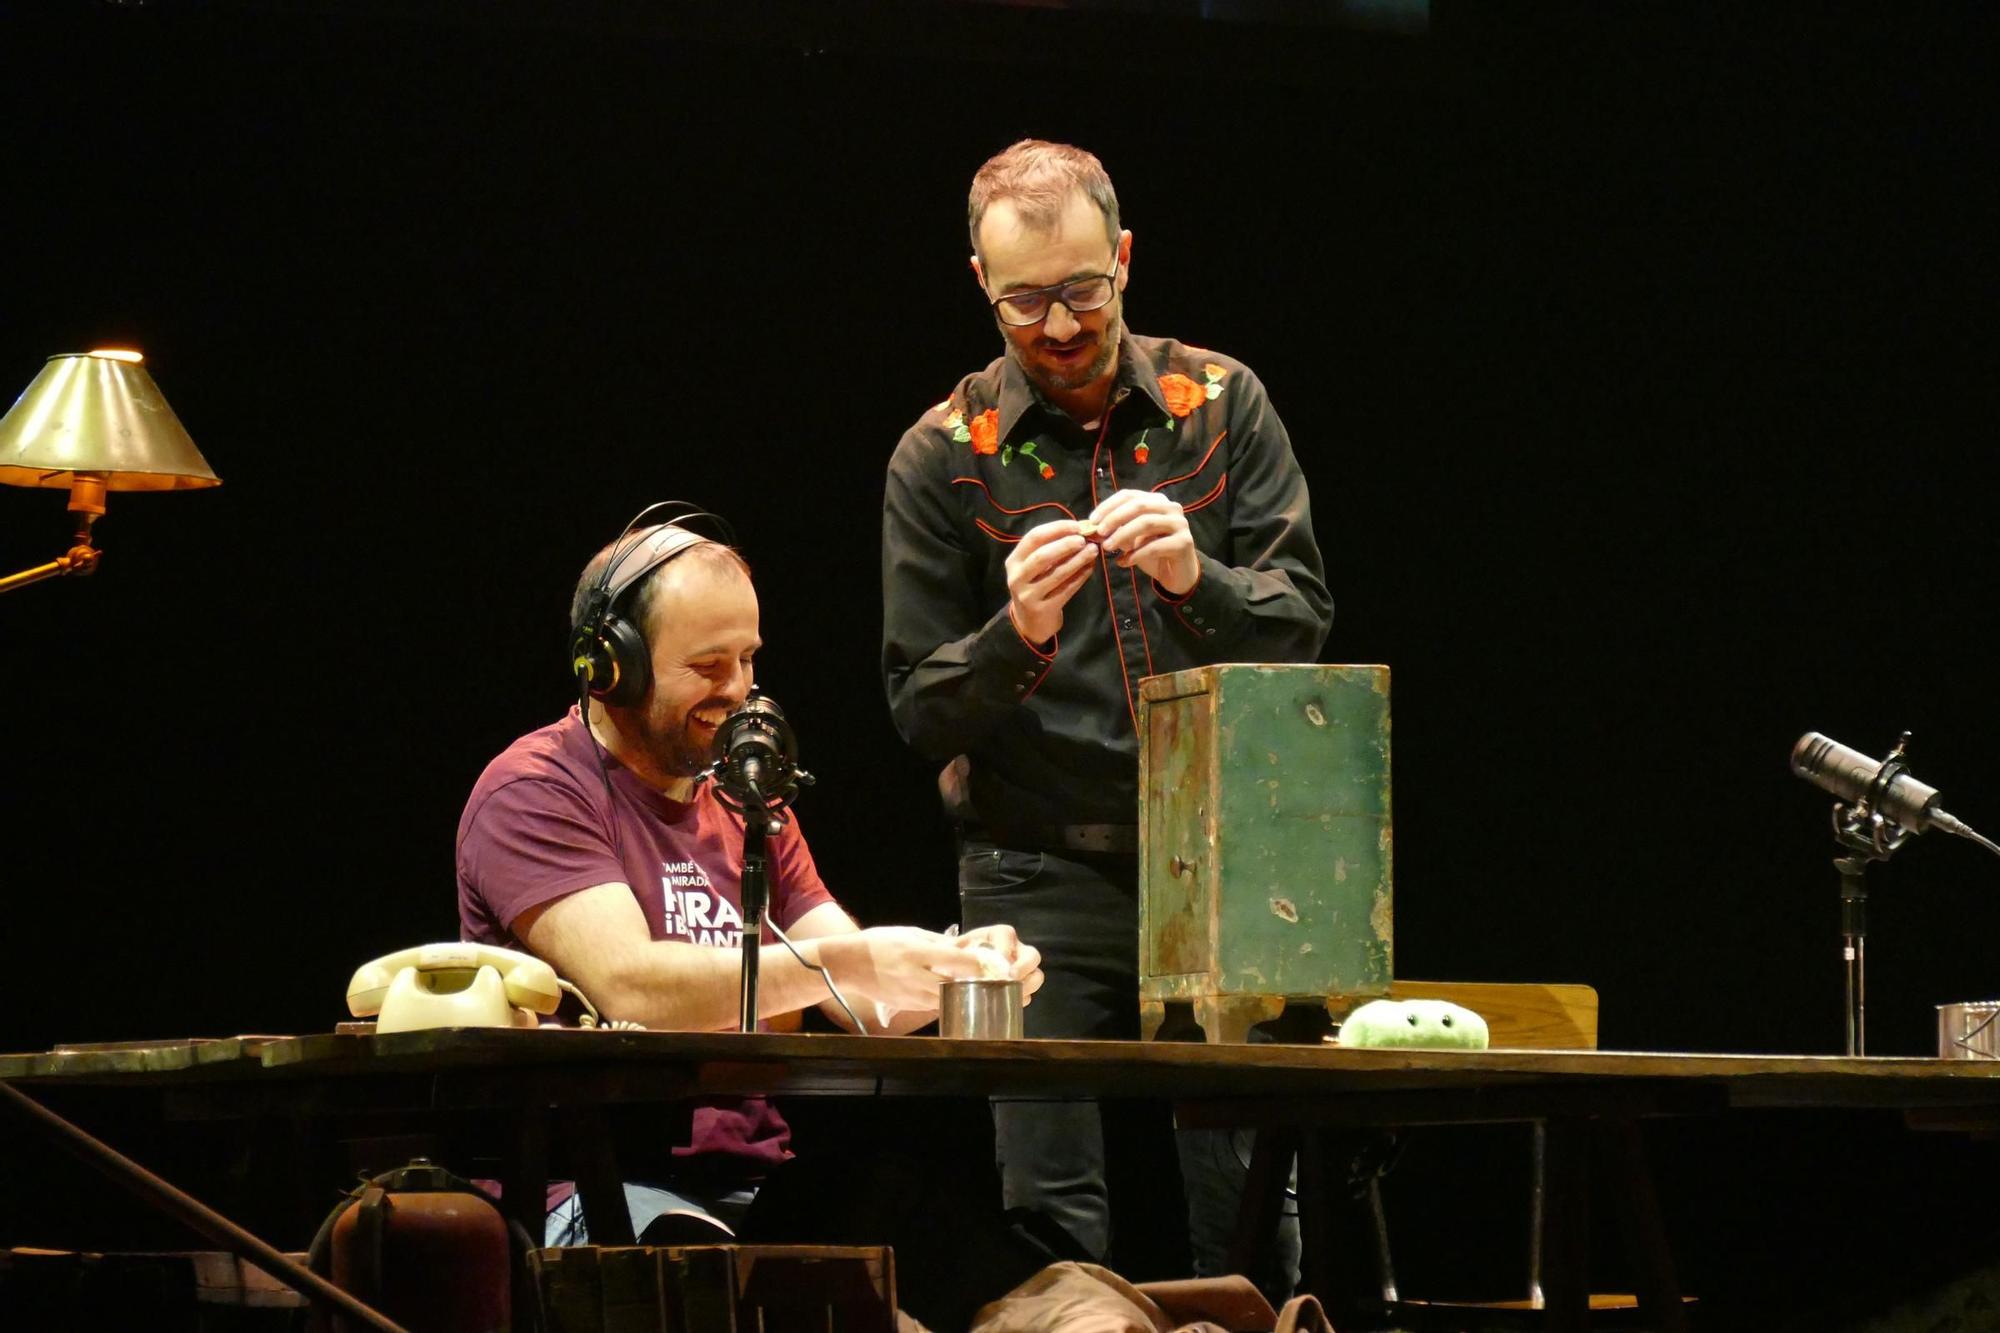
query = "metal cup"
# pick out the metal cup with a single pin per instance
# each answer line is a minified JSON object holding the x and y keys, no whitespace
{"x":982,"y":1008}
{"x":1969,"y":1031}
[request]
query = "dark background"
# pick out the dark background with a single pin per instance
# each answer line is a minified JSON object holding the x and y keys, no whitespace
{"x":1640,"y":360}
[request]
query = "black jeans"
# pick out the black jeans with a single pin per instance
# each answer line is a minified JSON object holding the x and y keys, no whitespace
{"x":1082,"y":911}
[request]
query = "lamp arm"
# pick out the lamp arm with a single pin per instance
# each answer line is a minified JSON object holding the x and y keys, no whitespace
{"x":86,"y":501}
{"x":77,"y":560}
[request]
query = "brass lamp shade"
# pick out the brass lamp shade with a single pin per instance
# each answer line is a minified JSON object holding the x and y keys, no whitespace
{"x":99,"y":414}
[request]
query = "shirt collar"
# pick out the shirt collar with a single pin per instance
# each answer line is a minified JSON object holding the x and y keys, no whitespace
{"x":1139,"y":372}
{"x":1135,"y":370}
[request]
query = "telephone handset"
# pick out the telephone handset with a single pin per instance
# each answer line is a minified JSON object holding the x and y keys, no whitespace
{"x":452,"y":985}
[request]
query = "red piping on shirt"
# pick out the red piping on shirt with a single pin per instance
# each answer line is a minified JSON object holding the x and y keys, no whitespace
{"x":1210,"y":498}
{"x":1095,"y":453}
{"x":1039,"y":679}
{"x":994,"y":532}
{"x":1048,"y":658}
{"x":1204,"y":462}
{"x":1046,"y":504}
{"x":1144,"y":637}
{"x":1110,"y":605}
{"x":1130,"y":708}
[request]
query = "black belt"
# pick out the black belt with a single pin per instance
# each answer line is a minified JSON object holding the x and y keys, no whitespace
{"x":1103,"y":839}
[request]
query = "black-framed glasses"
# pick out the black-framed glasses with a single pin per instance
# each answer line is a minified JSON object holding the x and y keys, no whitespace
{"x":1078,"y":296}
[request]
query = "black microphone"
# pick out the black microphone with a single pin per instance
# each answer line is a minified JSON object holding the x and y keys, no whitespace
{"x":1853,"y":776}
{"x":756,"y":756}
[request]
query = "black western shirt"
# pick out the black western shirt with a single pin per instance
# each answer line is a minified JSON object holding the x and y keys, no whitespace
{"x":1050,"y":732}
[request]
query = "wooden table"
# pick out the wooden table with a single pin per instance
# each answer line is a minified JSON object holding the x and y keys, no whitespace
{"x":518,"y":1084}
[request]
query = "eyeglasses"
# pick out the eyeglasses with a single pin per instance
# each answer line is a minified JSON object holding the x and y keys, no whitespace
{"x":1078,"y":296}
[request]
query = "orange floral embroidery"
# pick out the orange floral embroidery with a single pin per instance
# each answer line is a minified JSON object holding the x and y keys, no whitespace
{"x":984,"y":430}
{"x":1183,"y":394}
{"x":983,"y":434}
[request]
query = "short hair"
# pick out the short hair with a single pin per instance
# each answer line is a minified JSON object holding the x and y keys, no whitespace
{"x":1039,"y":178}
{"x":638,"y":601}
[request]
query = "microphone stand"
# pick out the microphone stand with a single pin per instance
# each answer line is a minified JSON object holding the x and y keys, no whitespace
{"x":763,"y":818}
{"x":740,"y":776}
{"x":759,"y":823}
{"x":1868,"y":835}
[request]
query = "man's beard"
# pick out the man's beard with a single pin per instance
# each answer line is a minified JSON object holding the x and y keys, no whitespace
{"x":669,"y":744}
{"x":1048,"y":378}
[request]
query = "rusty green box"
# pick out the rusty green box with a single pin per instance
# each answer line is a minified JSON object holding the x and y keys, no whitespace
{"x":1264,"y":843}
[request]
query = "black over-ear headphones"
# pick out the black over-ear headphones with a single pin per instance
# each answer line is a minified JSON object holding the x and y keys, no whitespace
{"x":608,"y":654}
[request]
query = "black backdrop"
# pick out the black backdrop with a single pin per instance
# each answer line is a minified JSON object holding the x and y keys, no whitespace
{"x":1640,"y":362}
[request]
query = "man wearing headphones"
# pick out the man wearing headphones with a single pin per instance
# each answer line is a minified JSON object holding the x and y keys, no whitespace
{"x":595,"y":844}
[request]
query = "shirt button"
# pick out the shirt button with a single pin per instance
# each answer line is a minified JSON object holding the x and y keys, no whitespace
{"x":1126,"y":622}
{"x":1197,"y":620}
{"x":1209,"y":632}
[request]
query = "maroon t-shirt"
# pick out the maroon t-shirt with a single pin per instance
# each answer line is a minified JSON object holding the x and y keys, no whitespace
{"x":538,"y":826}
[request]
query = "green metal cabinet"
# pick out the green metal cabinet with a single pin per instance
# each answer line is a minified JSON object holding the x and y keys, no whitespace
{"x":1265,"y":843}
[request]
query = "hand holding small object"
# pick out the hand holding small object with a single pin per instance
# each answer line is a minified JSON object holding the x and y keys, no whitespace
{"x":901,"y":966}
{"x":1149,"y":532}
{"x":1003,"y":957}
{"x":1044,"y":571}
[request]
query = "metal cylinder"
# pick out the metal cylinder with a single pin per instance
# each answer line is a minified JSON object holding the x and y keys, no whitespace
{"x":985,"y":1009}
{"x":1969,"y":1031}
{"x":428,"y":1255}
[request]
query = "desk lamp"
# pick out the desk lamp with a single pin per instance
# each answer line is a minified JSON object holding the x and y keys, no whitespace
{"x":94,"y":422}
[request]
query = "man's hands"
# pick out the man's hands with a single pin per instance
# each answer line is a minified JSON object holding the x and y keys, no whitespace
{"x":1024,"y":961}
{"x":1149,"y":531}
{"x":1143,"y":529}
{"x":901,"y":966}
{"x":1044,"y":571}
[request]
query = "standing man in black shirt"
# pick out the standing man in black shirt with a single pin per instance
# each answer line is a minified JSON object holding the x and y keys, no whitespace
{"x":1093,"y":507}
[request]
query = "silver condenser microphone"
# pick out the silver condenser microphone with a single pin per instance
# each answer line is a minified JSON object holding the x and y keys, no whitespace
{"x":1886,"y":786}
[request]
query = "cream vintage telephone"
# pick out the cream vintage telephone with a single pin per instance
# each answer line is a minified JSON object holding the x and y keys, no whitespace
{"x":453,"y":986}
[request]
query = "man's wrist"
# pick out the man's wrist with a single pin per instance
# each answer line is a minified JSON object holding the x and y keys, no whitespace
{"x":1179,"y":585}
{"x":1043,"y":647}
{"x":827,"y":952}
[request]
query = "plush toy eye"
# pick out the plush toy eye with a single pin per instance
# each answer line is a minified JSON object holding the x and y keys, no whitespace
{"x":1447,"y":1020}
{"x":1413,"y":1020}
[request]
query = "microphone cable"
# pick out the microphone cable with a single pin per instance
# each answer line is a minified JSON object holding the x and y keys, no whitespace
{"x":603,"y":771}
{"x":820,"y":968}
{"x":1963,"y":830}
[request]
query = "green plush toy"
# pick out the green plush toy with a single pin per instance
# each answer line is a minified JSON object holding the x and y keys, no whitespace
{"x":1425,"y":1023}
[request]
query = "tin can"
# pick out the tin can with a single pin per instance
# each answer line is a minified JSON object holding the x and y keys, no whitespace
{"x":1969,"y":1031}
{"x":981,"y":1008}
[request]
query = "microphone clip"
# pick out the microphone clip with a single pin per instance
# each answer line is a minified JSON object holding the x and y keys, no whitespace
{"x":1862,"y":827}
{"x":755,"y":768}
{"x":774,"y":803}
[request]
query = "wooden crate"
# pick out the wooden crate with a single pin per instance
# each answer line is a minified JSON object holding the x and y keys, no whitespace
{"x":717,"y":1289}
{"x":1265,"y":844}
{"x":201,"y":1291}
